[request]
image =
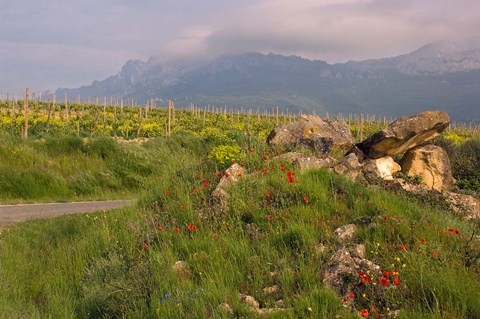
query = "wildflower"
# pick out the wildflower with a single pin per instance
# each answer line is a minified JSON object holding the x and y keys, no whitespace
{"x":384,"y":281}
{"x":396,"y":281}
{"x":450,"y":229}
{"x":195,"y":190}
{"x":267,"y":195}
{"x":145,"y":246}
{"x":385,"y":274}
{"x":345,"y":299}
{"x":351,"y":295}
{"x":214,"y":235}
{"x":191,"y":227}
{"x":177,"y":229}
{"x":242,"y":164}
{"x":457,"y":232}
{"x":394,"y":273}
{"x":435,"y":254}
{"x":205,"y":184}
{"x":306,"y":200}
{"x":366,"y":279}
{"x":167,"y":192}
{"x":204,"y":180}
{"x":239,"y":175}
{"x":385,"y":218}
{"x":227,"y":175}
{"x":270,"y":217}
{"x":403,"y":247}
{"x":369,"y":201}
{"x":423,"y":240}
{"x":219,"y":174}
{"x":364,"y":313}
{"x":160,"y":228}
{"x":251,"y":150}
{"x":282,"y":169}
{"x":182,"y":206}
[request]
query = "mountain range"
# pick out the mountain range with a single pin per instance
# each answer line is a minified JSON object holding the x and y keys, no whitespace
{"x":443,"y":76}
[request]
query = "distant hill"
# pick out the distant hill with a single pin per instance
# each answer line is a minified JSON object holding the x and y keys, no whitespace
{"x":444,"y":76}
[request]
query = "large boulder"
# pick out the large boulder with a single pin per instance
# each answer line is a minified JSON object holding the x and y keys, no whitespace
{"x":431,"y":164}
{"x":310,"y":131}
{"x":404,"y":134}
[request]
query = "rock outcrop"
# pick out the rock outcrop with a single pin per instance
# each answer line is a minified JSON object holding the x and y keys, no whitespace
{"x":404,"y":134}
{"x":303,"y":161}
{"x":325,"y":137}
{"x":431,"y":164}
{"x":218,"y":201}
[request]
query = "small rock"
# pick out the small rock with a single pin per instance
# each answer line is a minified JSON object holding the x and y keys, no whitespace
{"x":280,"y":303}
{"x":271,"y":290}
{"x":380,"y":168}
{"x":226,"y":307}
{"x":345,"y":233}
{"x":181,"y":268}
{"x":350,"y":167}
{"x":358,"y":251}
{"x":249,"y":300}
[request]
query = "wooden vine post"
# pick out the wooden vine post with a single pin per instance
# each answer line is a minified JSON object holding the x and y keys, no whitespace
{"x":25,"y":105}
{"x":169,"y":116}
{"x":276,"y":117}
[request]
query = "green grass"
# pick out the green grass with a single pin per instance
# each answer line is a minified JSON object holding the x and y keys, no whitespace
{"x":98,"y":266}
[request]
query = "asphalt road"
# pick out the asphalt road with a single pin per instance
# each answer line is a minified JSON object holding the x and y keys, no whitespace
{"x":17,"y":213}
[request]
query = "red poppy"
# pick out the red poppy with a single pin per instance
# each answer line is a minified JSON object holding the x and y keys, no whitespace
{"x":267,"y":195}
{"x":366,"y":279}
{"x":214,"y":235}
{"x":282,"y":169}
{"x":450,"y":229}
{"x":384,"y":281}
{"x":352,"y":295}
{"x":227,"y":175}
{"x":191,"y":227}
{"x":205,"y":185}
{"x":457,"y":232}
{"x":364,"y":313}
{"x":195,"y":190}
{"x":385,"y":274}
{"x":251,"y":150}
{"x":160,"y":228}
{"x":435,"y":253}
{"x":145,"y":246}
{"x":423,"y":240}
{"x":204,"y":180}
{"x":306,"y":200}
{"x":239,"y":175}
{"x":167,"y":192}
{"x":219,"y":174}
{"x":270,"y":217}
{"x":345,"y":299}
{"x":396,"y":281}
{"x":242,"y":164}
{"x":177,"y":229}
{"x":403,"y":247}
{"x":385,"y":218}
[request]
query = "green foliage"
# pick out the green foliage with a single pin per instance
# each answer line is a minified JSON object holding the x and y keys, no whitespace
{"x":224,"y":154}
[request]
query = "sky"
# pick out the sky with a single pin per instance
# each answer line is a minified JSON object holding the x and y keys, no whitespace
{"x":47,"y":44}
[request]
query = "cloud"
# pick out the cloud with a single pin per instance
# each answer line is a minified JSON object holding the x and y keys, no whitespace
{"x":334,"y":31}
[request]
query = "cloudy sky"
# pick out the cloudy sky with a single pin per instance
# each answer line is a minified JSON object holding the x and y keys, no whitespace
{"x":46,"y":44}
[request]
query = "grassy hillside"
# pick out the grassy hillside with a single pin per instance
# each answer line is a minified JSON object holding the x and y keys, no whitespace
{"x":277,"y":234}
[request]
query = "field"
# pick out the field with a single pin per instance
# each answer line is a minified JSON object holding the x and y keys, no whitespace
{"x":170,"y":257}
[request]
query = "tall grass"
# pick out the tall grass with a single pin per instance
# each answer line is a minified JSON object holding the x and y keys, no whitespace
{"x":275,"y":233}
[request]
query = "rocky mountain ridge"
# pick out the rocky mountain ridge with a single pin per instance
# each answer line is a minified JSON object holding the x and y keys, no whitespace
{"x":444,"y":75}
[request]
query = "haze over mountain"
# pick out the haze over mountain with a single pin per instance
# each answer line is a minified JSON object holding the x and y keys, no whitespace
{"x":443,"y":76}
